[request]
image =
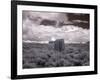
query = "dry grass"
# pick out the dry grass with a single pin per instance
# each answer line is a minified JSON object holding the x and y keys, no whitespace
{"x":39,"y":55}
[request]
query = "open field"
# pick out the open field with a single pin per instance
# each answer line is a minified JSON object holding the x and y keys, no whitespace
{"x":37,"y":55}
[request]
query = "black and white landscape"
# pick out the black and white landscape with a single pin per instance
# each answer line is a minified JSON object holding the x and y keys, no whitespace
{"x":53,"y":39}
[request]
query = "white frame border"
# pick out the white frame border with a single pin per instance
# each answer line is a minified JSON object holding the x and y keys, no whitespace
{"x":21,"y":71}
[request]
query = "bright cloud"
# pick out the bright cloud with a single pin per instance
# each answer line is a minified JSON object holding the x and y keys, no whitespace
{"x":32,"y":31}
{"x":69,"y":33}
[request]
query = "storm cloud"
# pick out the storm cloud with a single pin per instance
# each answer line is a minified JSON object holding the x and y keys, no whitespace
{"x":35,"y":30}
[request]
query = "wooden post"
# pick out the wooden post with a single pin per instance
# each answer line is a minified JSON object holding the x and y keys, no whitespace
{"x":59,"y":45}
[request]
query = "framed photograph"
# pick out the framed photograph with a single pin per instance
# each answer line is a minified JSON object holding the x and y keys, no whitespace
{"x":53,"y":39}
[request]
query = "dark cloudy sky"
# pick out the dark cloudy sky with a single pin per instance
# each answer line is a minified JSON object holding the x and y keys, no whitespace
{"x":45,"y":26}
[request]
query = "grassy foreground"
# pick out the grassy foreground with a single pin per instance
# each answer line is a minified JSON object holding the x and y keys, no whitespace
{"x":40,"y":56}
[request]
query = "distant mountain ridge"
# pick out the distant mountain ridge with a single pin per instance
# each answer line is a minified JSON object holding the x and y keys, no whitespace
{"x":46,"y":42}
